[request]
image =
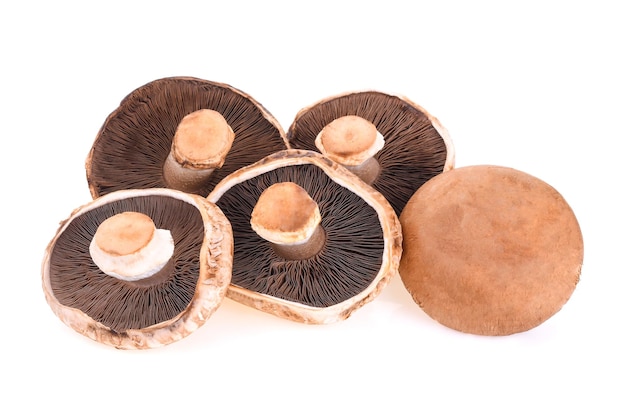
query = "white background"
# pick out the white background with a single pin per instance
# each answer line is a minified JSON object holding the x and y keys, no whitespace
{"x":534,"y":85}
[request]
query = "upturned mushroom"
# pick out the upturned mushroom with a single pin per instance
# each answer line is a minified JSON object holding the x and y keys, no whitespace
{"x":313,"y":243}
{"x":182,"y":133}
{"x":390,"y":142}
{"x":490,"y":250}
{"x":139,"y":269}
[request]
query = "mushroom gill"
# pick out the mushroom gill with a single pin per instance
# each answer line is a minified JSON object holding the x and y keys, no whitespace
{"x":140,"y":268}
{"x":416,"y":147}
{"x":348,"y":262}
{"x":78,"y":283}
{"x":319,"y":284}
{"x":133,"y":145}
{"x":490,"y":250}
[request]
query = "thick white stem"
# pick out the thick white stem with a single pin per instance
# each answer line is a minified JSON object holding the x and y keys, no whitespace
{"x":127,"y":246}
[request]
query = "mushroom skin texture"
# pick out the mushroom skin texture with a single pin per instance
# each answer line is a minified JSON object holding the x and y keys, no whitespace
{"x":416,"y":145}
{"x":490,"y":250}
{"x":207,"y":271}
{"x":133,"y":148}
{"x":276,"y":276}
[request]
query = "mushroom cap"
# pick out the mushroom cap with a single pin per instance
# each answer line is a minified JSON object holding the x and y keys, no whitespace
{"x":135,"y":140}
{"x":361,"y":253}
{"x":158,"y":310}
{"x":490,"y":250}
{"x":416,"y":145}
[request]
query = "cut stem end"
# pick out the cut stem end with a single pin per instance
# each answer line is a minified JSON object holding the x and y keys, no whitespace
{"x":352,"y":141}
{"x":289,"y":218}
{"x":128,"y":246}
{"x":202,"y":140}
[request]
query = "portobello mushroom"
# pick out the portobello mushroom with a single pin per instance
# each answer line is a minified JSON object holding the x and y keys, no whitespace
{"x":138,"y":269}
{"x":182,"y":133}
{"x":390,"y":142}
{"x":490,"y":250}
{"x":313,"y":243}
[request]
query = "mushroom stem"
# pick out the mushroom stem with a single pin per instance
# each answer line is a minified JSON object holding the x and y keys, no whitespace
{"x":200,"y":144}
{"x":352,"y":141}
{"x":128,"y":246}
{"x":287,"y":217}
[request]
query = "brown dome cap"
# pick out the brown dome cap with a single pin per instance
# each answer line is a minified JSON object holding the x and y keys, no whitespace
{"x":135,"y":147}
{"x":353,"y":249}
{"x":490,"y":250}
{"x":173,"y":296}
{"x":416,"y":146}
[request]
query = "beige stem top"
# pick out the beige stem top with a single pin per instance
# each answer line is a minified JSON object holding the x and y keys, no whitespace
{"x":202,"y":140}
{"x":349,"y":140}
{"x":129,"y":247}
{"x":285,"y":214}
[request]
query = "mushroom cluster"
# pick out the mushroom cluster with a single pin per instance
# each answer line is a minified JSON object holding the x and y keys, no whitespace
{"x":199,"y":194}
{"x":150,"y":258}
{"x":487,"y":250}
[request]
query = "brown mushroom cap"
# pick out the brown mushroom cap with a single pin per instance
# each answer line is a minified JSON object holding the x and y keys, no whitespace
{"x":156,"y":310}
{"x":490,"y":250}
{"x":361,"y":250}
{"x":134,"y":143}
{"x":416,"y":145}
